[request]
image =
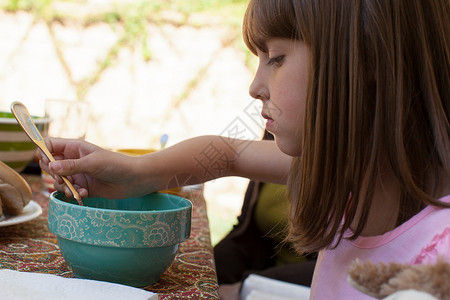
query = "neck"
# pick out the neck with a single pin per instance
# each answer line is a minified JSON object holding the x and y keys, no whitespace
{"x":385,"y":206}
{"x":386,"y":200}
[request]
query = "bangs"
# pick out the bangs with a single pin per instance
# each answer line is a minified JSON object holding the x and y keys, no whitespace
{"x":265,"y":19}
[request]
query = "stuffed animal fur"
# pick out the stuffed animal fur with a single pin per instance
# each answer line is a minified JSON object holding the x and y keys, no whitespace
{"x":382,"y":280}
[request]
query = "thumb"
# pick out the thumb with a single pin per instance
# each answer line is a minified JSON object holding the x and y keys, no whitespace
{"x":64,"y":167}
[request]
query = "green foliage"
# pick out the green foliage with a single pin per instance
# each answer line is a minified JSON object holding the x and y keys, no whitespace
{"x":40,"y":7}
{"x":133,"y":17}
{"x":226,"y":8}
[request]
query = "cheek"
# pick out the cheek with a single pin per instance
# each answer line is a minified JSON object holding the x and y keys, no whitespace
{"x":295,"y":100}
{"x":294,"y":109}
{"x":298,"y":95}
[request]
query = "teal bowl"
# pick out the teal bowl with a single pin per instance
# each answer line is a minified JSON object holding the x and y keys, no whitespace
{"x":16,"y":148}
{"x":127,"y":241}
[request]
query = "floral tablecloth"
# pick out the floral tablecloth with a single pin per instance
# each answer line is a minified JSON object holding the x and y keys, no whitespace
{"x":31,"y":247}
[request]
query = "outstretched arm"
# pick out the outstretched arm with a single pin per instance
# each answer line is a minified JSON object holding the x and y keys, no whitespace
{"x":209,"y":157}
{"x":98,"y":172}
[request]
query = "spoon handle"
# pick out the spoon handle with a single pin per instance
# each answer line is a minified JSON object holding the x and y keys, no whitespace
{"x":43,"y":147}
{"x":23,"y":117}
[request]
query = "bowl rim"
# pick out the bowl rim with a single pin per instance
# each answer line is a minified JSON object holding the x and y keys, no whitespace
{"x":63,"y":215}
{"x":186,"y":207}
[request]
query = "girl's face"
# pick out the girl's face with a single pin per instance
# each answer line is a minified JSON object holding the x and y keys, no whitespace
{"x":281,"y":83}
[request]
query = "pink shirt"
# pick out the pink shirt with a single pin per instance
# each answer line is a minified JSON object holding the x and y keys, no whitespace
{"x":419,"y":240}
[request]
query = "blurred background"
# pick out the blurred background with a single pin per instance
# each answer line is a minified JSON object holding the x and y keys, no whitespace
{"x":146,"y":68}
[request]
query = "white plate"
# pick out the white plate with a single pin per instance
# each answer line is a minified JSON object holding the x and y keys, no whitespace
{"x":29,"y":212}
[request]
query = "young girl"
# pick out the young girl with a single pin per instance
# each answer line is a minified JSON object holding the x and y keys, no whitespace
{"x":356,"y":94}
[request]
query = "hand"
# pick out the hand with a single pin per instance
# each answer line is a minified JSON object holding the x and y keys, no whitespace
{"x":93,"y":170}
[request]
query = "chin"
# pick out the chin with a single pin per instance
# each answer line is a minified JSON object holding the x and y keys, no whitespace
{"x":291,"y":149}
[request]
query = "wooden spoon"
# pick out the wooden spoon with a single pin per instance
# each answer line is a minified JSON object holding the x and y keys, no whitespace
{"x":22,"y":116}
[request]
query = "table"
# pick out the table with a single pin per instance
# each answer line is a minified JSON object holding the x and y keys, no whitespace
{"x":31,"y":247}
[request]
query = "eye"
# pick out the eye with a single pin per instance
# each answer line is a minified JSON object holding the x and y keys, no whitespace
{"x":276,"y":61}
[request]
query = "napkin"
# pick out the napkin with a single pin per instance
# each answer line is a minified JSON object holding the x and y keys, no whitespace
{"x":410,"y":295}
{"x":15,"y":285}
{"x":256,"y":287}
{"x":258,"y":295}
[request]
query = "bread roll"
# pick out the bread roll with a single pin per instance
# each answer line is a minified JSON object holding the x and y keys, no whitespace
{"x":15,"y":193}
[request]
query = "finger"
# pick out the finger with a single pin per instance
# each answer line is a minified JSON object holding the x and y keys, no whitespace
{"x":55,"y":145}
{"x":69,"y":167}
{"x":67,"y":192}
{"x":42,"y":157}
{"x":81,"y":191}
{"x":58,"y":157}
{"x":62,"y":167}
{"x":44,"y":166}
{"x":59,"y":187}
{"x":59,"y":179}
{"x":65,"y":148}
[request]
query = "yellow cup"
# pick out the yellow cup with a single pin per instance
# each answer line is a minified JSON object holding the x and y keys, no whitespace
{"x":135,"y":151}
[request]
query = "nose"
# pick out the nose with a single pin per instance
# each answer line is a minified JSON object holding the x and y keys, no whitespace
{"x":258,"y":88}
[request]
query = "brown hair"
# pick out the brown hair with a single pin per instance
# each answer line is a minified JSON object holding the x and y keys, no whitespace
{"x":378,"y":94}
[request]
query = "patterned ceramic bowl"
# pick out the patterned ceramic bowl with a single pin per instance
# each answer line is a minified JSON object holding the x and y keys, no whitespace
{"x":16,"y":148}
{"x":129,"y":241}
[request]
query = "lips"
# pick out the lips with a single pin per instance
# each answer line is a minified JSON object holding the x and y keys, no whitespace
{"x":269,"y":123}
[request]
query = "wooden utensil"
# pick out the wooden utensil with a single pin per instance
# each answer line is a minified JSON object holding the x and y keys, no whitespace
{"x":22,"y":116}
